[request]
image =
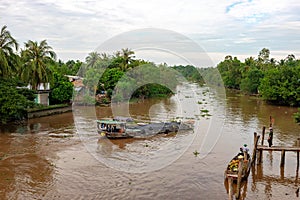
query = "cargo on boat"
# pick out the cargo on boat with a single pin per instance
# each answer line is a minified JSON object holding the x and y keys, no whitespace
{"x":233,"y":168}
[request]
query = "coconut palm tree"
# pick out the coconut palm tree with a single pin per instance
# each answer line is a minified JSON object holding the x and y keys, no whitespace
{"x":7,"y":56}
{"x":92,"y":59}
{"x":36,"y":58}
{"x":126,"y":55}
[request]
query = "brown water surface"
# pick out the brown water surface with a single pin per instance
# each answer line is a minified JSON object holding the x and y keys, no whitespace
{"x":36,"y":165}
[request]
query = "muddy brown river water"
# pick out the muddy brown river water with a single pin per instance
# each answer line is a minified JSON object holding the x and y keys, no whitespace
{"x":39,"y":159}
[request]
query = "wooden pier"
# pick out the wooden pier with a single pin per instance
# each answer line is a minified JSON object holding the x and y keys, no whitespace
{"x":258,"y":149}
{"x":257,"y":156}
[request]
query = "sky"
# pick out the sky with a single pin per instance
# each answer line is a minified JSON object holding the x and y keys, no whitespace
{"x":74,"y":28}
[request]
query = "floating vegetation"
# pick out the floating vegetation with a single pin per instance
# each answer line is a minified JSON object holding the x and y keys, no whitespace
{"x":188,"y":97}
{"x":196,"y":153}
{"x":189,"y":118}
{"x":204,"y":111}
{"x":199,"y":102}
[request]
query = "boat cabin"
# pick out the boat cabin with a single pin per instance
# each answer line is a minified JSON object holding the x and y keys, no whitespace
{"x":111,"y":128}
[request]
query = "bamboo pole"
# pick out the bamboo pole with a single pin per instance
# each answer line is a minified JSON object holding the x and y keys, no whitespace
{"x":260,"y":154}
{"x":297,"y":161}
{"x":239,"y":180}
{"x":263,"y":136}
{"x":259,"y":157}
{"x":256,"y":138}
{"x":282,"y":161}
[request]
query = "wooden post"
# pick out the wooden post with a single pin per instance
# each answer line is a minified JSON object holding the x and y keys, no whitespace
{"x":282,"y":158}
{"x":239,"y":180}
{"x":263,"y":135}
{"x":230,"y":188}
{"x":255,"y":135}
{"x":297,"y":161}
{"x":260,"y":154}
{"x":256,"y":138}
{"x":281,"y":173}
{"x":259,"y":157}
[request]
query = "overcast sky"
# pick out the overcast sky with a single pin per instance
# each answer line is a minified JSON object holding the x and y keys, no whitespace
{"x":221,"y":27}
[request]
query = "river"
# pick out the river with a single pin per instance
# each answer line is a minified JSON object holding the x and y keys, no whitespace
{"x":63,"y":157}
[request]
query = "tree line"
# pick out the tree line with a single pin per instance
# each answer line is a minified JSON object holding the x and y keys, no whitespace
{"x":122,"y":76}
{"x":36,"y":64}
{"x":22,"y":70}
{"x":277,"y":82}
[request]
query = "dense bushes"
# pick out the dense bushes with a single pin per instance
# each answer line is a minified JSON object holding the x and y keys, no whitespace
{"x":14,"y":101}
{"x":276,"y":82}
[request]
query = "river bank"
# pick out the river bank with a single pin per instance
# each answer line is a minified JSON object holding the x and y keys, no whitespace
{"x":47,"y":111}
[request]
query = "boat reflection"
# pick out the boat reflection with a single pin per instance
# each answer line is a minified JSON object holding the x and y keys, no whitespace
{"x":243,"y":191}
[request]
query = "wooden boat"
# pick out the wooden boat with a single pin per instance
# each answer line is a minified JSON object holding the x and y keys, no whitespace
{"x":114,"y":129}
{"x":242,"y":161}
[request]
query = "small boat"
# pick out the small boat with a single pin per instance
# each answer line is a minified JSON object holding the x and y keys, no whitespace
{"x":232,"y":169}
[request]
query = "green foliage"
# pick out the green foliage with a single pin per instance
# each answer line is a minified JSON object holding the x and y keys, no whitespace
{"x":152,"y":90}
{"x":251,"y":81}
{"x":13,"y":101}
{"x":61,"y":90}
{"x":36,"y":58}
{"x":111,"y":77}
{"x":146,"y":81}
{"x":277,"y":83}
{"x":89,"y":100}
{"x":282,"y":86}
{"x":69,"y":68}
{"x":231,"y":72}
{"x":8,"y":58}
{"x":297,"y":116}
{"x":211,"y":76}
{"x":190,"y":73}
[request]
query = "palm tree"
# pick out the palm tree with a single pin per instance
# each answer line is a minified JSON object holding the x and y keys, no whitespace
{"x":126,"y":55}
{"x":92,"y":59}
{"x":7,"y":55}
{"x":36,"y":58}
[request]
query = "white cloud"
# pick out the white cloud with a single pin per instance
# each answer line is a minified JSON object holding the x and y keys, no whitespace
{"x":237,"y":27}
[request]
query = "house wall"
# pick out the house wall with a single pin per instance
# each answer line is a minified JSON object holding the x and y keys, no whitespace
{"x":43,"y":98}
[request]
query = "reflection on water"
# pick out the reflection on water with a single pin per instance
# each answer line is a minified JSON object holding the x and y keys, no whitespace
{"x":36,"y":166}
{"x":243,"y":191}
